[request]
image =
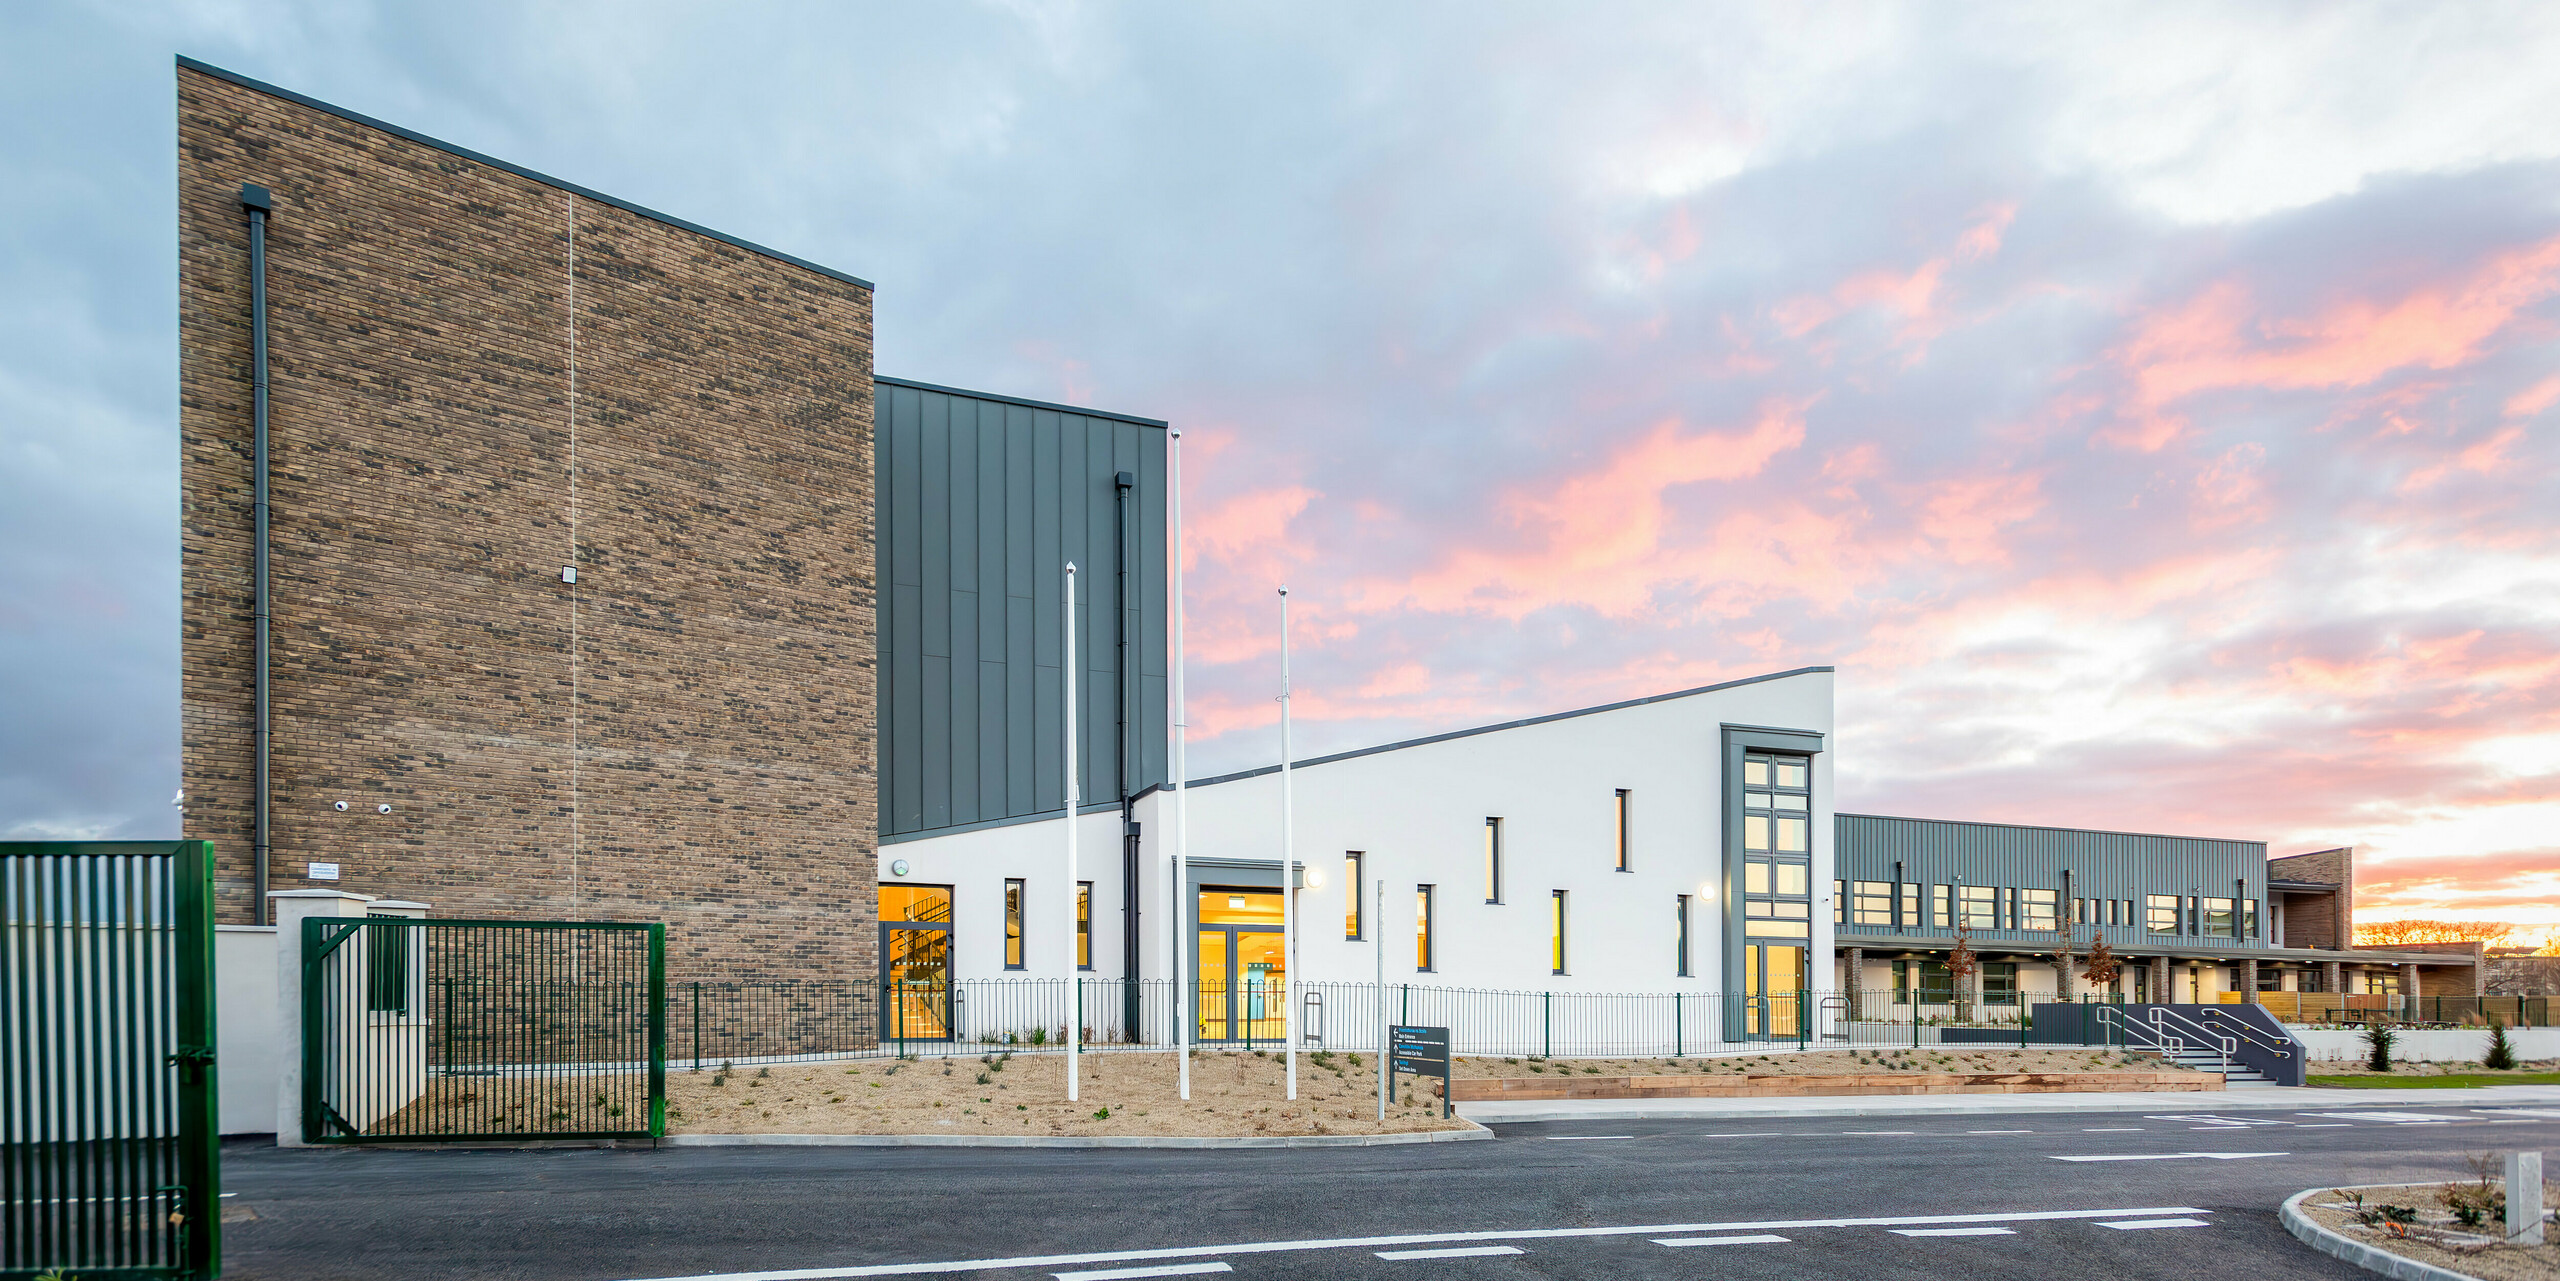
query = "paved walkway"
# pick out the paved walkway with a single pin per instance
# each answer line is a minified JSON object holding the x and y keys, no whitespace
{"x":1497,"y":1113}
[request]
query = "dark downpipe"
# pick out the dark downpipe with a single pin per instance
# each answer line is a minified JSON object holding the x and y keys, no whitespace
{"x":255,"y":199}
{"x":1121,"y":484}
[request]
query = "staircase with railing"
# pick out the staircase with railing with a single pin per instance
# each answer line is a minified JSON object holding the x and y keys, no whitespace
{"x":2210,"y":1040}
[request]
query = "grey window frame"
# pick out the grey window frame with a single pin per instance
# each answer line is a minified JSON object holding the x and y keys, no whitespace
{"x":1681,"y":961}
{"x":1622,"y":803}
{"x":1492,"y":859}
{"x":1427,"y":951}
{"x":1556,"y":909}
{"x":1355,"y":869}
{"x":1017,"y":923}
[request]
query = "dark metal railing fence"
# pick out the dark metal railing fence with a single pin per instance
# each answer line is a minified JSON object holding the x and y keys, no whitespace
{"x":426,"y":1030}
{"x":109,"y":1152}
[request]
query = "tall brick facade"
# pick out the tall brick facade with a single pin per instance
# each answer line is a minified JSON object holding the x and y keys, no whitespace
{"x":2319,"y":920}
{"x":480,"y":377}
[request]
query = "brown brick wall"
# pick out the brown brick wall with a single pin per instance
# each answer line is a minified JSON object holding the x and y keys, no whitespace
{"x":688,"y":733}
{"x":2313,"y":920}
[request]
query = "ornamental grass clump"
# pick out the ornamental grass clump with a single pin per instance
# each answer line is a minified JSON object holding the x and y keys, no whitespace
{"x":2378,"y":1041}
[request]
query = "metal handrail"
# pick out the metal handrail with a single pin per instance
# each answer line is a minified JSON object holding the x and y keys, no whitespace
{"x":2240,"y":1028}
{"x":2226,"y":1048}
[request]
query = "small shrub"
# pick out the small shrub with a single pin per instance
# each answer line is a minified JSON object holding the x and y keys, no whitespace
{"x":1355,"y":1060}
{"x":1102,"y":1114}
{"x":2378,"y":1041}
{"x":765,"y":1071}
{"x":717,"y":1079}
{"x":2502,"y":1056}
{"x":985,"y":1077}
{"x":1039,"y":1036}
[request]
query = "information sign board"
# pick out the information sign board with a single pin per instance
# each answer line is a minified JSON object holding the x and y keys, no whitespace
{"x":1423,"y":1051}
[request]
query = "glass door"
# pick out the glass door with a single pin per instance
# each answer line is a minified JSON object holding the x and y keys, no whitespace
{"x":1773,"y":997}
{"x":915,"y":962}
{"x":1240,"y":975}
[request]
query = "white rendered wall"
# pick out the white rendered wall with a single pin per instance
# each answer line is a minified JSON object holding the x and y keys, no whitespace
{"x":249,"y":1033}
{"x":1418,"y":814}
{"x":2428,"y":1045}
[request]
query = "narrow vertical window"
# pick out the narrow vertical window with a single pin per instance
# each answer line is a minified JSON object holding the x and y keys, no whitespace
{"x":1618,"y":811}
{"x":1556,"y":940}
{"x":1942,"y":912}
{"x":1352,"y":927}
{"x":1910,"y":904}
{"x":1839,"y":902}
{"x":1084,"y":925}
{"x":1493,"y":860}
{"x":1683,"y":954}
{"x":1422,"y":928}
{"x":1013,"y":924}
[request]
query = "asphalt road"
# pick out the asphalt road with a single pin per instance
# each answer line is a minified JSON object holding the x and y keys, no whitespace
{"x":1560,"y":1200}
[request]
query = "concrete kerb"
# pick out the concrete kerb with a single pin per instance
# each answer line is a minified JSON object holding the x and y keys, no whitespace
{"x":1473,"y":1131}
{"x":2270,"y":1100}
{"x":2370,"y":1258}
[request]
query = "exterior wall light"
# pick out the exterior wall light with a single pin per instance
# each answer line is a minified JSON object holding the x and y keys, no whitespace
{"x":342,"y":807}
{"x":382,"y":809}
{"x":898,"y":867}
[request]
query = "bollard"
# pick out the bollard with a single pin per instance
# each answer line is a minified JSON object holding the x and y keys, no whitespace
{"x":2524,"y":1198}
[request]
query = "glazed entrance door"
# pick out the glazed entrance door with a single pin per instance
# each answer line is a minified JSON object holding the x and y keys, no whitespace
{"x":1773,"y":979}
{"x":1240,"y":972}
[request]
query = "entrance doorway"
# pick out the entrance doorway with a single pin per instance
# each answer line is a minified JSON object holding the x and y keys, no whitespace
{"x":1773,"y":977}
{"x":915,"y":962}
{"x":1240,"y":967}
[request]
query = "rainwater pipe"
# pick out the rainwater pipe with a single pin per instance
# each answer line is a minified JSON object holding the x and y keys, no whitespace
{"x":259,"y":204}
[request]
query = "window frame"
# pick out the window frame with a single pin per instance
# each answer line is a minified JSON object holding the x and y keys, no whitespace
{"x":1556,"y":928}
{"x":2159,"y":907}
{"x":1493,"y":859}
{"x":2050,"y":901}
{"x":1084,"y":925}
{"x":1864,"y":895}
{"x":1017,"y":896}
{"x":1355,"y":916}
{"x":1426,"y":957}
{"x":1619,"y":808}
{"x":1942,"y":906}
{"x":1681,"y":958}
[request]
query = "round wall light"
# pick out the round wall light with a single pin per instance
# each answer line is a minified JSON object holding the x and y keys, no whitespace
{"x":342,"y":807}
{"x":384,"y":808}
{"x":898,"y":867}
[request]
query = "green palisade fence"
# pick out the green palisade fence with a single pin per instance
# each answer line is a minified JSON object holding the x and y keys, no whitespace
{"x":109,"y":1154}
{"x":427,"y":1031}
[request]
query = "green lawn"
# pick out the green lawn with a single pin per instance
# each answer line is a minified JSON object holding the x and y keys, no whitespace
{"x":2461,"y":1081}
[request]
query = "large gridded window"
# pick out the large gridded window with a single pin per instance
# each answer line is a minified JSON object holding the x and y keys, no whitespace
{"x":1493,"y":860}
{"x":2161,"y":913}
{"x":1999,"y":983}
{"x":1978,"y":907}
{"x":1013,"y":891}
{"x":2218,"y":918}
{"x":1871,"y":903}
{"x":1777,"y":845}
{"x":2036,"y":908}
{"x":1422,"y":928}
{"x":1618,"y":818}
{"x":1352,"y":927}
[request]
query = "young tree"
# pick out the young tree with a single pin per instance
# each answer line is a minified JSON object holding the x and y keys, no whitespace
{"x":2502,"y":1055}
{"x":2103,"y":967}
{"x":1961,"y":967}
{"x":2066,"y":945}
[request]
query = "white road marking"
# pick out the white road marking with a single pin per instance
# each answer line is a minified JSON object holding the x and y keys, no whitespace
{"x":2111,"y":1129}
{"x":2171,"y":1156}
{"x":2377,"y":1116}
{"x":1875,"y":1132}
{"x":2541,"y":1112}
{"x":2129,"y":1225}
{"x":1953,"y":1232}
{"x":1752,"y":1238}
{"x":2331,"y":1125}
{"x":1586,"y":1138}
{"x":1415,"y":1239}
{"x":1999,"y":1131}
{"x":1168,"y":1270}
{"x":1461,"y":1252}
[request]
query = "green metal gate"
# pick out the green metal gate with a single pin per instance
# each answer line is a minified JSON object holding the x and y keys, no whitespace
{"x":422,"y":1031}
{"x":111,"y":1162}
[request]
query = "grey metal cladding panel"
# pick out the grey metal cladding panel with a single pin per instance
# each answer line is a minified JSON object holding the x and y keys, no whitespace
{"x":905,"y":738}
{"x":960,"y":613}
{"x":1021,"y":757}
{"x":992,"y":746}
{"x":903,"y":443}
{"x":2102,"y":864}
{"x":934,"y":752}
{"x":1154,"y":623}
{"x":934,"y":526}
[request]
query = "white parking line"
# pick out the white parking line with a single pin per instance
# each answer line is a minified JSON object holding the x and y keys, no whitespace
{"x":2332,"y":1125}
{"x":2130,"y":1225}
{"x":1202,"y":1252}
{"x":1461,"y":1252}
{"x":1953,"y":1232}
{"x":1571,"y":1138}
{"x":1973,"y":1131}
{"x":2111,"y":1129}
{"x":2171,"y":1156}
{"x":1867,"y":1132}
{"x":1750,"y":1238}
{"x":1168,"y":1270}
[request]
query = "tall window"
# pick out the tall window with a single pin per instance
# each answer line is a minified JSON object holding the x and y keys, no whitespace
{"x":1618,"y":815}
{"x":1871,"y":903}
{"x":1084,"y":925}
{"x":1942,"y":907}
{"x":1422,"y":928}
{"x":1839,"y":903}
{"x":2161,"y":911}
{"x":1351,"y":924}
{"x":1013,"y":924}
{"x":1556,"y":929}
{"x":1493,"y":860}
{"x":2250,"y":907}
{"x":2036,"y":908}
{"x":1910,"y":907}
{"x":1979,"y":906}
{"x":1683,"y":955}
{"x":1777,"y":846}
{"x":1999,"y":983}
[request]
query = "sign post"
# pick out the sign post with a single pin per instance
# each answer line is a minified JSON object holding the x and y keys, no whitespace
{"x":1423,"y":1051}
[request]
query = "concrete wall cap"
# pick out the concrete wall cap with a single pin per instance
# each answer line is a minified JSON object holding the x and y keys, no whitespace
{"x":402,"y":904}
{"x":337,"y":894}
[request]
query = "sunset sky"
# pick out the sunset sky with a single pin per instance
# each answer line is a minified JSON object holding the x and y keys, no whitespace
{"x":2154,"y":413}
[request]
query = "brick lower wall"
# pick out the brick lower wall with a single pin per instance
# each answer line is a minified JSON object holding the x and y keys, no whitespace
{"x":479,"y":378}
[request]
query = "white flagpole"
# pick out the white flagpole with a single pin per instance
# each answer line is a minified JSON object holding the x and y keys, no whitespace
{"x":1178,"y":911}
{"x":1288,"y":869}
{"x":1075,"y":1002}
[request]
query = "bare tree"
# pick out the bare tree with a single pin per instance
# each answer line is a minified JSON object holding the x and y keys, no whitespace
{"x":2066,"y":943}
{"x":1961,"y":966}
